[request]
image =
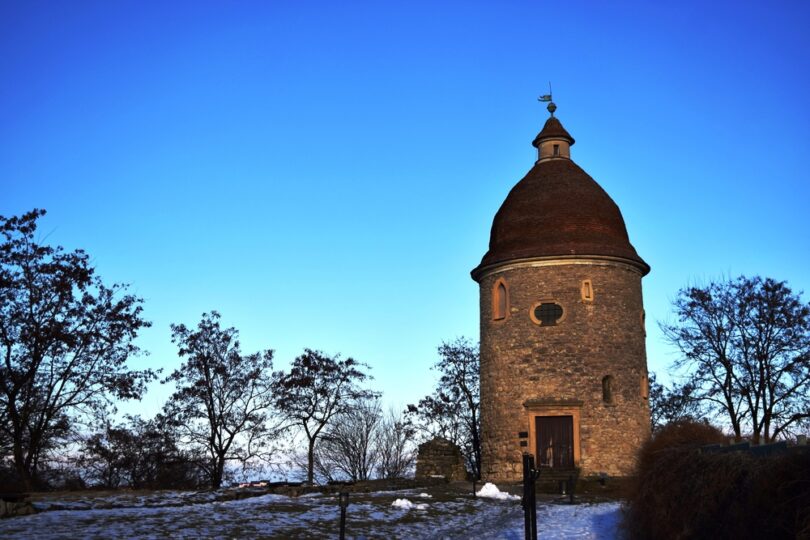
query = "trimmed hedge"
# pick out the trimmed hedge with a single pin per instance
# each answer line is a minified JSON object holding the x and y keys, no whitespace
{"x":681,"y":492}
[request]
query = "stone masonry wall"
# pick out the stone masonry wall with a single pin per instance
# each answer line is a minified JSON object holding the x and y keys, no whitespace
{"x":564,"y":364}
{"x":440,"y":457}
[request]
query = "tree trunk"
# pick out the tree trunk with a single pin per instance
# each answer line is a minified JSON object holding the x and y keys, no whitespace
{"x":737,"y":431}
{"x":25,"y":477}
{"x":732,"y":412}
{"x":311,"y":461}
{"x":23,"y":471}
{"x":477,"y":454}
{"x":217,"y":472}
{"x":766,"y":427}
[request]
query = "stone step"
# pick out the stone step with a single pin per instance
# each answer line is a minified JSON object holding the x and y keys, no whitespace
{"x":557,"y":473}
{"x":550,"y":480}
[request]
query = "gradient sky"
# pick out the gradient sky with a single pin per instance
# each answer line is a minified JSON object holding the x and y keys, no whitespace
{"x":325,"y":174}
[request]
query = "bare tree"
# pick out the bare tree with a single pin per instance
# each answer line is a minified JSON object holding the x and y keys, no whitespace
{"x":395,"y":445}
{"x":746,"y":346}
{"x":65,"y":339}
{"x":139,"y":454}
{"x":106,"y":457}
{"x":318,"y":388}
{"x":223,"y":399}
{"x":672,"y":404}
{"x":347,"y":448}
{"x":453,"y":410}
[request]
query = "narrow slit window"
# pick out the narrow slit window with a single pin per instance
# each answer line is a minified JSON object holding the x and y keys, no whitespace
{"x":556,"y":149}
{"x":645,"y":387}
{"x":587,"y":291}
{"x":607,"y":389}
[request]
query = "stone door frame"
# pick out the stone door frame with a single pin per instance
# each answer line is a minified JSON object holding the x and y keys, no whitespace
{"x":539,"y":407}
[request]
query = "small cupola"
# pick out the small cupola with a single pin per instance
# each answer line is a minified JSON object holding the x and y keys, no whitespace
{"x":553,"y":141}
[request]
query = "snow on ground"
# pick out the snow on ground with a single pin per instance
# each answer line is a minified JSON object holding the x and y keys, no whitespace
{"x":407,"y":505}
{"x":369,"y":515}
{"x":590,"y":521}
{"x":491,"y":491}
{"x":130,"y":499}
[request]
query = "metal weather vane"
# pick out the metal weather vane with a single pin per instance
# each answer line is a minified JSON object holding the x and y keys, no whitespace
{"x":547,"y":98}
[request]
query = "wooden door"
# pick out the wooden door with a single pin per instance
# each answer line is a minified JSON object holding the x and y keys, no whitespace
{"x":555,"y":441}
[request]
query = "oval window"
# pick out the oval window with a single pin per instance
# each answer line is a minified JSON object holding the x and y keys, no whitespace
{"x":547,"y":313}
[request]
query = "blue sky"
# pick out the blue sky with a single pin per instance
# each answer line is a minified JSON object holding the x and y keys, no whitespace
{"x":325,"y":174}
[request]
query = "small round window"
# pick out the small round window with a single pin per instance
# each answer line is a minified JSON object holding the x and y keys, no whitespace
{"x":547,"y":313}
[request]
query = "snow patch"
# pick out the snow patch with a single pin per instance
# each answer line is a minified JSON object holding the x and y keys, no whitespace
{"x":166,"y":514}
{"x":491,"y":491}
{"x":578,"y":521}
{"x":407,"y":505}
{"x":426,"y":495}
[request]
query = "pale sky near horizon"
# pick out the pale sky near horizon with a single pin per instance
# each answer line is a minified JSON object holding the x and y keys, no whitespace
{"x":325,"y":174}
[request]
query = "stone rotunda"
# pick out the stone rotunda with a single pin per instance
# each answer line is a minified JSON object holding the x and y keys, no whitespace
{"x":563,"y":361}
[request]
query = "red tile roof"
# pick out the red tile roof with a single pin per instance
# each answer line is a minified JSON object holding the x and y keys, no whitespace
{"x":553,"y":129}
{"x":557,"y":209}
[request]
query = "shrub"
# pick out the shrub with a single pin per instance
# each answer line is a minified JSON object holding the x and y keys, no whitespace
{"x":682,"y":492}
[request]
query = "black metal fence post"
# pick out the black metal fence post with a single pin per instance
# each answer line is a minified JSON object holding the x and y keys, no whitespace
{"x":535,"y":473}
{"x":344,"y":503}
{"x":529,"y":499}
{"x":527,"y":524}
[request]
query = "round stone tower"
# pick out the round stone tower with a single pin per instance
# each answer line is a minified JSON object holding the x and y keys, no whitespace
{"x":563,"y":361}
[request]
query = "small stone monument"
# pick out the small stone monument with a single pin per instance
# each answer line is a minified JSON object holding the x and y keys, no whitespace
{"x":440,"y":457}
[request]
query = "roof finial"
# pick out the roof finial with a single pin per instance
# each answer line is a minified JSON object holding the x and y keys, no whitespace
{"x":547,"y":97}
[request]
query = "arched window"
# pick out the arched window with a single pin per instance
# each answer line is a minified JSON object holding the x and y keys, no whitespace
{"x":500,"y":300}
{"x":607,"y":389}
